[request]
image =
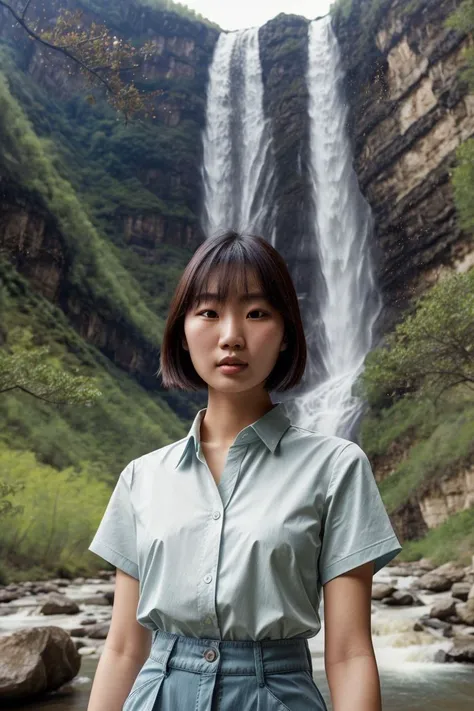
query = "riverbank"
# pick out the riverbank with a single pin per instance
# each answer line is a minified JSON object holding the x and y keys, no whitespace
{"x":420,"y":615}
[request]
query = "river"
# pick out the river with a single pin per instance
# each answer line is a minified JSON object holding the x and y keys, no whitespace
{"x":410,"y":679}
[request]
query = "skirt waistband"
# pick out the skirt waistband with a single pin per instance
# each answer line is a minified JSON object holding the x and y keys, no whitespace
{"x":247,"y":657}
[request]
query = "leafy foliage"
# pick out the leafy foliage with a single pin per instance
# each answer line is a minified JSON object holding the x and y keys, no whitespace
{"x":463,"y":185}
{"x":31,"y":369}
{"x":429,"y":352}
{"x":56,"y":513}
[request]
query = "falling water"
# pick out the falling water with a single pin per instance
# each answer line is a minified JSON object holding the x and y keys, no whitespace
{"x":237,"y":168}
{"x":346,"y":298}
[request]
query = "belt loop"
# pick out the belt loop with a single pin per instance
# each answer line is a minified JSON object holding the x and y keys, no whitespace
{"x":169,"y":649}
{"x":257,"y":649}
{"x":308,"y":654}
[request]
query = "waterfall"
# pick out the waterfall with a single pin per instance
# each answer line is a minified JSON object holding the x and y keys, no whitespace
{"x":237,"y":169}
{"x":346,"y":297}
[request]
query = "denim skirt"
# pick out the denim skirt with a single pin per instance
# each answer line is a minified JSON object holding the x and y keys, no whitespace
{"x":198,"y":674}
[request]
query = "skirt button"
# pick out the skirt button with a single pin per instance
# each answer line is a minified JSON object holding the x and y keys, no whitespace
{"x":210,"y":655}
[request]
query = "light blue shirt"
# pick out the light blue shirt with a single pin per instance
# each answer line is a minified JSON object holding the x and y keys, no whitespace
{"x":245,"y":559}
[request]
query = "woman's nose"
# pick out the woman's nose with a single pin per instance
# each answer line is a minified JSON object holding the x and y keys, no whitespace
{"x":231,"y":334}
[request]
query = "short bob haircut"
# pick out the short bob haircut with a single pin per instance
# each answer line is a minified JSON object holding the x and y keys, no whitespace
{"x":231,"y":253}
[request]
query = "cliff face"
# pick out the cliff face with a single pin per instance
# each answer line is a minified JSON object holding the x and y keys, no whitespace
{"x":409,"y":112}
{"x":183,"y":50}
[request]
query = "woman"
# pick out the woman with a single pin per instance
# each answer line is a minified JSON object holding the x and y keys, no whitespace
{"x":224,"y":539}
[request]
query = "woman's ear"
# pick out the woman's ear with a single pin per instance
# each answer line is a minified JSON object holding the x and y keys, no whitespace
{"x":184,"y":344}
{"x":284,"y":345}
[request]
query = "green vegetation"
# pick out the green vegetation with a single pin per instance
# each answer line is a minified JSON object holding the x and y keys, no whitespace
{"x":453,"y":540}
{"x":74,"y":452}
{"x":126,"y":422}
{"x":463,"y":185}
{"x":180,"y":9}
{"x":431,"y":350}
{"x":53,"y":516}
{"x":95,"y":269}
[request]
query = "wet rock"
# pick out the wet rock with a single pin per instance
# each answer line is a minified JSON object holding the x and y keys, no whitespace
{"x":443,"y":628}
{"x":380,"y":590}
{"x":461,"y":651}
{"x":441,"y":657}
{"x":443,"y":609}
{"x":110,"y":596}
{"x":465,"y":610}
{"x":94,"y":600}
{"x":89,"y":621}
{"x":35,"y":661}
{"x":79,"y":644}
{"x":59,"y":605}
{"x":99,"y":631}
{"x":86,"y":651}
{"x":461,"y":591}
{"x":400,"y":572}
{"x":401,"y":598}
{"x":78,"y":632}
{"x":454,"y":573}
{"x":46,"y":588}
{"x":433,"y":582}
{"x":7,"y":610}
{"x":9,"y":596}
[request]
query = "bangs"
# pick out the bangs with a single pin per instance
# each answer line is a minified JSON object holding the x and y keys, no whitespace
{"x":230,"y":268}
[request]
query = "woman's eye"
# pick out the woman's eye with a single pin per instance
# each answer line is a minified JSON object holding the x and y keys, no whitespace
{"x":206,"y":311}
{"x":258,"y":311}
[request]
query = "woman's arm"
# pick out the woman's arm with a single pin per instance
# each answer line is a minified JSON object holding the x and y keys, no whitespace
{"x":126,"y":649}
{"x":349,"y":658}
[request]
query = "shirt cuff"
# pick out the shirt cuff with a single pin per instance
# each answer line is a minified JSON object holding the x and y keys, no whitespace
{"x":119,"y":561}
{"x":382,"y":553}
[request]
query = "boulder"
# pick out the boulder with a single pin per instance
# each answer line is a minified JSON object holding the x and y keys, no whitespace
{"x":448,"y":570}
{"x":400,"y":598}
{"x":35,"y":661}
{"x":465,"y":610}
{"x":59,"y":605}
{"x":461,"y":651}
{"x":99,"y":631}
{"x":380,"y":590}
{"x":9,"y":595}
{"x":433,"y":582}
{"x":443,"y":609}
{"x":461,"y":591}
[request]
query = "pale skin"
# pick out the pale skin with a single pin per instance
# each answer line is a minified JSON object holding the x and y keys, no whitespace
{"x":254,"y":332}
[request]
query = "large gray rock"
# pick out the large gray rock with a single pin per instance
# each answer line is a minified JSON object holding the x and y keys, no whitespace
{"x":461,"y":651}
{"x":98,"y":631}
{"x":443,"y":609}
{"x":380,"y":590}
{"x":59,"y":605}
{"x":465,"y":610}
{"x":461,"y":590}
{"x":433,"y":582}
{"x":454,"y":573}
{"x":401,"y":598}
{"x":35,"y":661}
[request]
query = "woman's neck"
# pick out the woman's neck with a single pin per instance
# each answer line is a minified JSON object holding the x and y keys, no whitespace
{"x":227,"y":414}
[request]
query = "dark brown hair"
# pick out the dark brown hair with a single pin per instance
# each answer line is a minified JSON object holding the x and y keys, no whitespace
{"x":231,"y":253}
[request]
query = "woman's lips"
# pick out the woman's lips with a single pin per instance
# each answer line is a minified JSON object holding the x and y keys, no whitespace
{"x":231,"y":369}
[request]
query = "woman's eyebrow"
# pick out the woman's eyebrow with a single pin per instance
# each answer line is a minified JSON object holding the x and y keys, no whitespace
{"x":208,"y":295}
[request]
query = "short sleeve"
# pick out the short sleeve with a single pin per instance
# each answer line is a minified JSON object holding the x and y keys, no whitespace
{"x":356,"y":528}
{"x":115,"y":539}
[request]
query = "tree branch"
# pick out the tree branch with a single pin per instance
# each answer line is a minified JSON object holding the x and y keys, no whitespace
{"x":57,"y":48}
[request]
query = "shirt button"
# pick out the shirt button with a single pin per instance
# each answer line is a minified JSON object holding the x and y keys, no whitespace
{"x":207,"y":578}
{"x":208,"y":620}
{"x":216,"y":514}
{"x":210,"y":655}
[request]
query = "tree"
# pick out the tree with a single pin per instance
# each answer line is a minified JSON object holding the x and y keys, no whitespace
{"x":32,"y":370}
{"x":102,"y":57}
{"x":429,"y":352}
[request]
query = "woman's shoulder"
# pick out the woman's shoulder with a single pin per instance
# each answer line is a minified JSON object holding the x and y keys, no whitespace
{"x":165,"y":455}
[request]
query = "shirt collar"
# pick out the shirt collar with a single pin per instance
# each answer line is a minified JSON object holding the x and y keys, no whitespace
{"x":270,"y":428}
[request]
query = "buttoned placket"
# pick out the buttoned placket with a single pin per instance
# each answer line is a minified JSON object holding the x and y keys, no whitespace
{"x":220,"y":495}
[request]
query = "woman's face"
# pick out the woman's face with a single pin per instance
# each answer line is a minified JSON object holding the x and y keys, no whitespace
{"x":249,"y":329}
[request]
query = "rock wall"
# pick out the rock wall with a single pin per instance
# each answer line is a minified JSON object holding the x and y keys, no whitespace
{"x":409,"y":112}
{"x":31,"y":240}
